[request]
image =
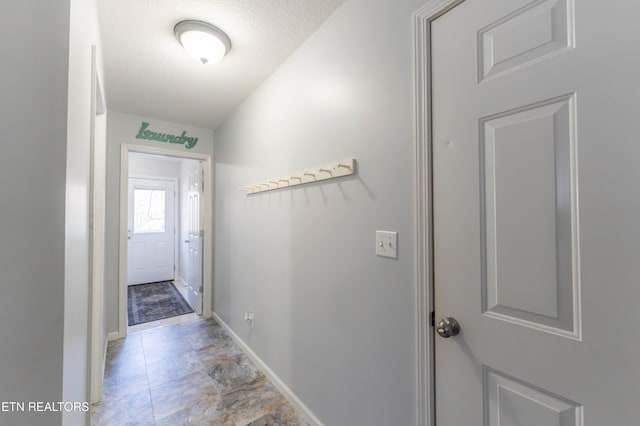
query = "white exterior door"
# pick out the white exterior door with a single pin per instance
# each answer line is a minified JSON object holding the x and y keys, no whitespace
{"x":151,"y":231}
{"x":536,"y":195}
{"x":195,"y":240}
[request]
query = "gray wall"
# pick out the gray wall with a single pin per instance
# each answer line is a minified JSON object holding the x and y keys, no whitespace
{"x":122,"y":129}
{"x":33,"y":114}
{"x":332,"y":320}
{"x":44,"y":186}
{"x":147,"y":165}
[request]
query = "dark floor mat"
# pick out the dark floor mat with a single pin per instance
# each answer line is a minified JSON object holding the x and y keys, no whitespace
{"x":155,"y":301}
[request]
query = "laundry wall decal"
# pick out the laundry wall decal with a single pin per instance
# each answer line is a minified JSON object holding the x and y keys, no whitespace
{"x":183,"y":139}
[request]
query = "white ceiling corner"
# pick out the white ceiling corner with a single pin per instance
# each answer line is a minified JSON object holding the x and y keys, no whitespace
{"x":148,"y":73}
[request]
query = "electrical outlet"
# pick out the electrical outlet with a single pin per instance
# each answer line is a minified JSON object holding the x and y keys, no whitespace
{"x":248,"y":317}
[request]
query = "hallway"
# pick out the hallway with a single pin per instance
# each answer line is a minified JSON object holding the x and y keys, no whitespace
{"x":187,"y":373}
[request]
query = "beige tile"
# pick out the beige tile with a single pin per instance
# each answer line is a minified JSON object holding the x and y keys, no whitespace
{"x":162,"y":349}
{"x":132,"y":409}
{"x":124,"y":381}
{"x":252,"y":401}
{"x":235,"y":372}
{"x":173,"y":367}
{"x":124,"y":347}
{"x":205,"y":338}
{"x":187,"y":373}
{"x":195,"y":390}
{"x":197,"y":416}
{"x":218,"y":352}
{"x":124,"y":361}
{"x":283,"y":416}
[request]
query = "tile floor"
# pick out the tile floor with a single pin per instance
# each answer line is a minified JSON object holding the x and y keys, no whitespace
{"x":189,"y":373}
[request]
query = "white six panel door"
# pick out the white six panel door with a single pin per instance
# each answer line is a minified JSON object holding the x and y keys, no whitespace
{"x":536,"y":174}
{"x":151,"y":231}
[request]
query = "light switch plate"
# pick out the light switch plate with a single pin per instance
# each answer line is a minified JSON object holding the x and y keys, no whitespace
{"x":387,"y":244}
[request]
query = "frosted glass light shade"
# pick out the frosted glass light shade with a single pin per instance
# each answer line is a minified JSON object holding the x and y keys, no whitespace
{"x":202,"y":41}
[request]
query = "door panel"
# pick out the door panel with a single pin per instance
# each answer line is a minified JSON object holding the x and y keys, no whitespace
{"x":535,"y":205}
{"x":151,"y":231}
{"x":527,"y":189}
{"x":529,"y":34}
{"x":510,"y":402}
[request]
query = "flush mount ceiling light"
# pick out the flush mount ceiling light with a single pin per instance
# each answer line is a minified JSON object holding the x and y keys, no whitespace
{"x":202,"y":41}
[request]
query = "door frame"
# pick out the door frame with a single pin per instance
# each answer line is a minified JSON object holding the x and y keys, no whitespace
{"x":207,"y":278}
{"x":176,"y":216}
{"x":423,"y":140}
{"x":97,"y":234}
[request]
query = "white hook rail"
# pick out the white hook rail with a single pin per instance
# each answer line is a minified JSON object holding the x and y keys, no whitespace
{"x":331,"y":171}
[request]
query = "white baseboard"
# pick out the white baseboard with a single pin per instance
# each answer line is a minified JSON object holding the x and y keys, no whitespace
{"x":114,"y":335}
{"x":279,"y":384}
{"x":181,"y":280}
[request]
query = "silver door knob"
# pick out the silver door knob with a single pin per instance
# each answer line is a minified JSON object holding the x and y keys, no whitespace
{"x":448,"y":327}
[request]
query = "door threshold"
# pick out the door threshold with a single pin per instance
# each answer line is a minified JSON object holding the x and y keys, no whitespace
{"x":162,"y":323}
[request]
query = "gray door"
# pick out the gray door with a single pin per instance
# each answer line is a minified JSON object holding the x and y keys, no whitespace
{"x":536,"y":157}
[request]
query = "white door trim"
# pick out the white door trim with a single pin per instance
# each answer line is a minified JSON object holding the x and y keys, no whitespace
{"x":425,"y":380}
{"x":97,"y":235}
{"x":208,"y":227}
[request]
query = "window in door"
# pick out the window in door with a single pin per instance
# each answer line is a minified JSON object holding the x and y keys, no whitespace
{"x":149,"y":210}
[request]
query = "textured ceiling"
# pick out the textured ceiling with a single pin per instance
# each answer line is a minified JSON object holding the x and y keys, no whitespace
{"x":148,"y":73}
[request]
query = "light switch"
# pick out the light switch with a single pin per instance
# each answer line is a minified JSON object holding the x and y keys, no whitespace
{"x":387,"y":244}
